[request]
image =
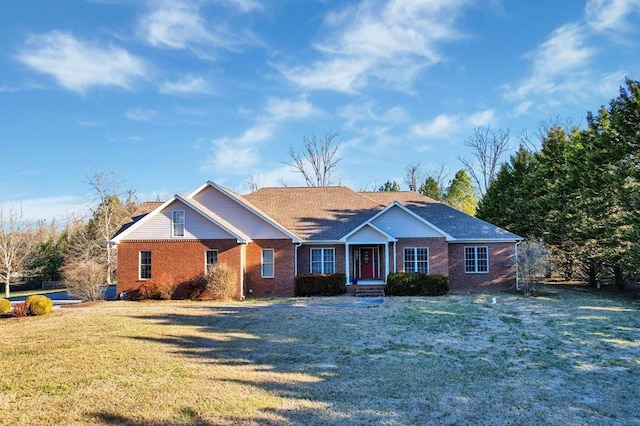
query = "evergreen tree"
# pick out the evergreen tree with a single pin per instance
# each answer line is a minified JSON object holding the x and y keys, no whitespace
{"x":461,"y":193}
{"x":431,"y":188}
{"x":389,"y":186}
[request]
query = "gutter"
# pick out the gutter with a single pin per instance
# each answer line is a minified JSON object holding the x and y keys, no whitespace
{"x":295,"y":259}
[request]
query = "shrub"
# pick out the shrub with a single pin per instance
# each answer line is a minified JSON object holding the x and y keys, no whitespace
{"x":195,"y":287}
{"x":147,"y":290}
{"x":417,"y":284}
{"x":20,"y":310}
{"x":222,"y":282}
{"x":38,"y":304}
{"x":5,"y":306}
{"x":86,"y":280}
{"x":320,"y":285}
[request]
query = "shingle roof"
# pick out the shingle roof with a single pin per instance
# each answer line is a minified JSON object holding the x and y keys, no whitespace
{"x":331,"y":212}
{"x":459,"y":225}
{"x":315,"y":213}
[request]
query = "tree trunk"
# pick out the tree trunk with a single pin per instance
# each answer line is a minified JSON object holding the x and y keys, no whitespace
{"x":6,"y":288}
{"x":618,"y":275}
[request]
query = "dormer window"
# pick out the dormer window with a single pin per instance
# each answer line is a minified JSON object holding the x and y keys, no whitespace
{"x":177,"y":223}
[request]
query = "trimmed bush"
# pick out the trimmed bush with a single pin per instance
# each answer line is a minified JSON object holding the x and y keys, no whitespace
{"x":38,"y":305}
{"x":222,"y":282}
{"x":5,"y":306}
{"x":320,"y":285}
{"x":195,"y":287}
{"x":417,"y":284}
{"x":20,"y":310}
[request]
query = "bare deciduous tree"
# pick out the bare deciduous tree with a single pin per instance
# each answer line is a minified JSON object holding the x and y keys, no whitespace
{"x":534,"y":261}
{"x":18,"y":242}
{"x":111,"y":207}
{"x":488,"y":145}
{"x":255,"y":182}
{"x":317,"y":159}
{"x":413,"y":175}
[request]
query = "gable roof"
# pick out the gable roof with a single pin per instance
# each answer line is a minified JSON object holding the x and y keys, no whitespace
{"x":459,"y":225}
{"x":193,"y":205}
{"x":247,"y":205}
{"x":321,"y":214}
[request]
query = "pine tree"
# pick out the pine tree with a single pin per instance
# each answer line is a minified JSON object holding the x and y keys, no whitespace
{"x":461,"y":193}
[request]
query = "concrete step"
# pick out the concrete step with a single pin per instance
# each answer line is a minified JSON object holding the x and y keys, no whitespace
{"x":363,"y":290}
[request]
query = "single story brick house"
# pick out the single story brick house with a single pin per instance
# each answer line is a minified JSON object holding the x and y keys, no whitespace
{"x":273,"y":234}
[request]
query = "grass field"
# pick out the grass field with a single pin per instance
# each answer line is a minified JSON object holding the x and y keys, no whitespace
{"x":566,"y":358}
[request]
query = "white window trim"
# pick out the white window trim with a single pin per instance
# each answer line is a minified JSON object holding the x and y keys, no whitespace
{"x":415,"y":258}
{"x":475,"y":252}
{"x":173,"y":223}
{"x":273,"y":263}
{"x":206,"y":265}
{"x":322,"y":249}
{"x":140,"y":265}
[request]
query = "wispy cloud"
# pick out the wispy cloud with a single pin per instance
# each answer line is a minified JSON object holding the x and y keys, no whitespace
{"x":387,"y":42}
{"x":188,"y":84}
{"x":176,"y":24}
{"x":236,"y":155}
{"x":559,"y":67}
{"x":141,"y":114}
{"x":441,"y":126}
{"x":78,"y":65}
{"x":610,"y":15}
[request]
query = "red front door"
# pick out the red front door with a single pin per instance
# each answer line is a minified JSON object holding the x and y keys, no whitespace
{"x":367,"y":269}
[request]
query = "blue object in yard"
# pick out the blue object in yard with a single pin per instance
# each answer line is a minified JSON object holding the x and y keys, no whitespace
{"x":354,"y":281}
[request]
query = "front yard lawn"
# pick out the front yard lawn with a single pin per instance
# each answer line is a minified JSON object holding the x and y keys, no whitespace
{"x":567,"y":358}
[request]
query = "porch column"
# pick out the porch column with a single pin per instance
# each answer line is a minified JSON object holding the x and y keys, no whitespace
{"x":346,"y":263}
{"x":386,"y":261}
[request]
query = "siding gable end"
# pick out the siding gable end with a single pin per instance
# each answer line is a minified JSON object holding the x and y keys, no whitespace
{"x":399,"y":223}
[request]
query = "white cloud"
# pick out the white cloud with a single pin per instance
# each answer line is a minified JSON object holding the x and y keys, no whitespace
{"x":389,"y":42}
{"x":245,"y":5}
{"x":482,"y":118}
{"x":441,"y":126}
{"x":237,"y":155}
{"x":559,"y":68}
{"x":364,"y":113}
{"x":78,"y":65}
{"x":610,"y":15}
{"x":141,"y":114}
{"x":59,"y":208}
{"x":278,"y":109}
{"x":185,"y":85}
{"x":176,"y":24}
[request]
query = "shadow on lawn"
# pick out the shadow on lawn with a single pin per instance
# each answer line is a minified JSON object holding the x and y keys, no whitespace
{"x":284,"y":361}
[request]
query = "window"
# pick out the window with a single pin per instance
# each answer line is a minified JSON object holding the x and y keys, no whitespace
{"x":323,"y":261}
{"x":210,"y":259}
{"x":267,"y":263}
{"x":416,"y":259}
{"x":177,"y":223}
{"x":476,"y":260}
{"x":145,"y":265}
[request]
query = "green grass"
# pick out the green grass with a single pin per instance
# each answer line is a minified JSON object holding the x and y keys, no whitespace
{"x":563,"y":359}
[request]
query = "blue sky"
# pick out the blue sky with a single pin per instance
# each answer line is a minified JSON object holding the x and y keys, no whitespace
{"x":170,"y":94}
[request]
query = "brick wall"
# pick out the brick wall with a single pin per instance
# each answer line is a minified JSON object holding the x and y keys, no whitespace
{"x":502,"y":270}
{"x":304,"y":257}
{"x":177,"y":261}
{"x":438,"y":253}
{"x":282,"y":284}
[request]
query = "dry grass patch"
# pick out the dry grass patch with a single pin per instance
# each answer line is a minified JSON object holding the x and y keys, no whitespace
{"x":568,"y":358}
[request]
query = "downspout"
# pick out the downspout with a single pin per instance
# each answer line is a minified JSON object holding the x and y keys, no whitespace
{"x":295,"y":259}
{"x":347,"y":266}
{"x":395,"y":254}
{"x":243,"y":261}
{"x":516,"y":252}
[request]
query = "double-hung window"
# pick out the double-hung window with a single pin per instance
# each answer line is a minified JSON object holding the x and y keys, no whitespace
{"x":323,"y":261}
{"x":177,"y":223}
{"x":210,"y":259}
{"x":268,"y":263}
{"x":416,"y":259}
{"x":145,"y":265}
{"x":476,"y":260}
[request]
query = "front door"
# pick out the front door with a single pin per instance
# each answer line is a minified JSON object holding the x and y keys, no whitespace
{"x":366,"y":263}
